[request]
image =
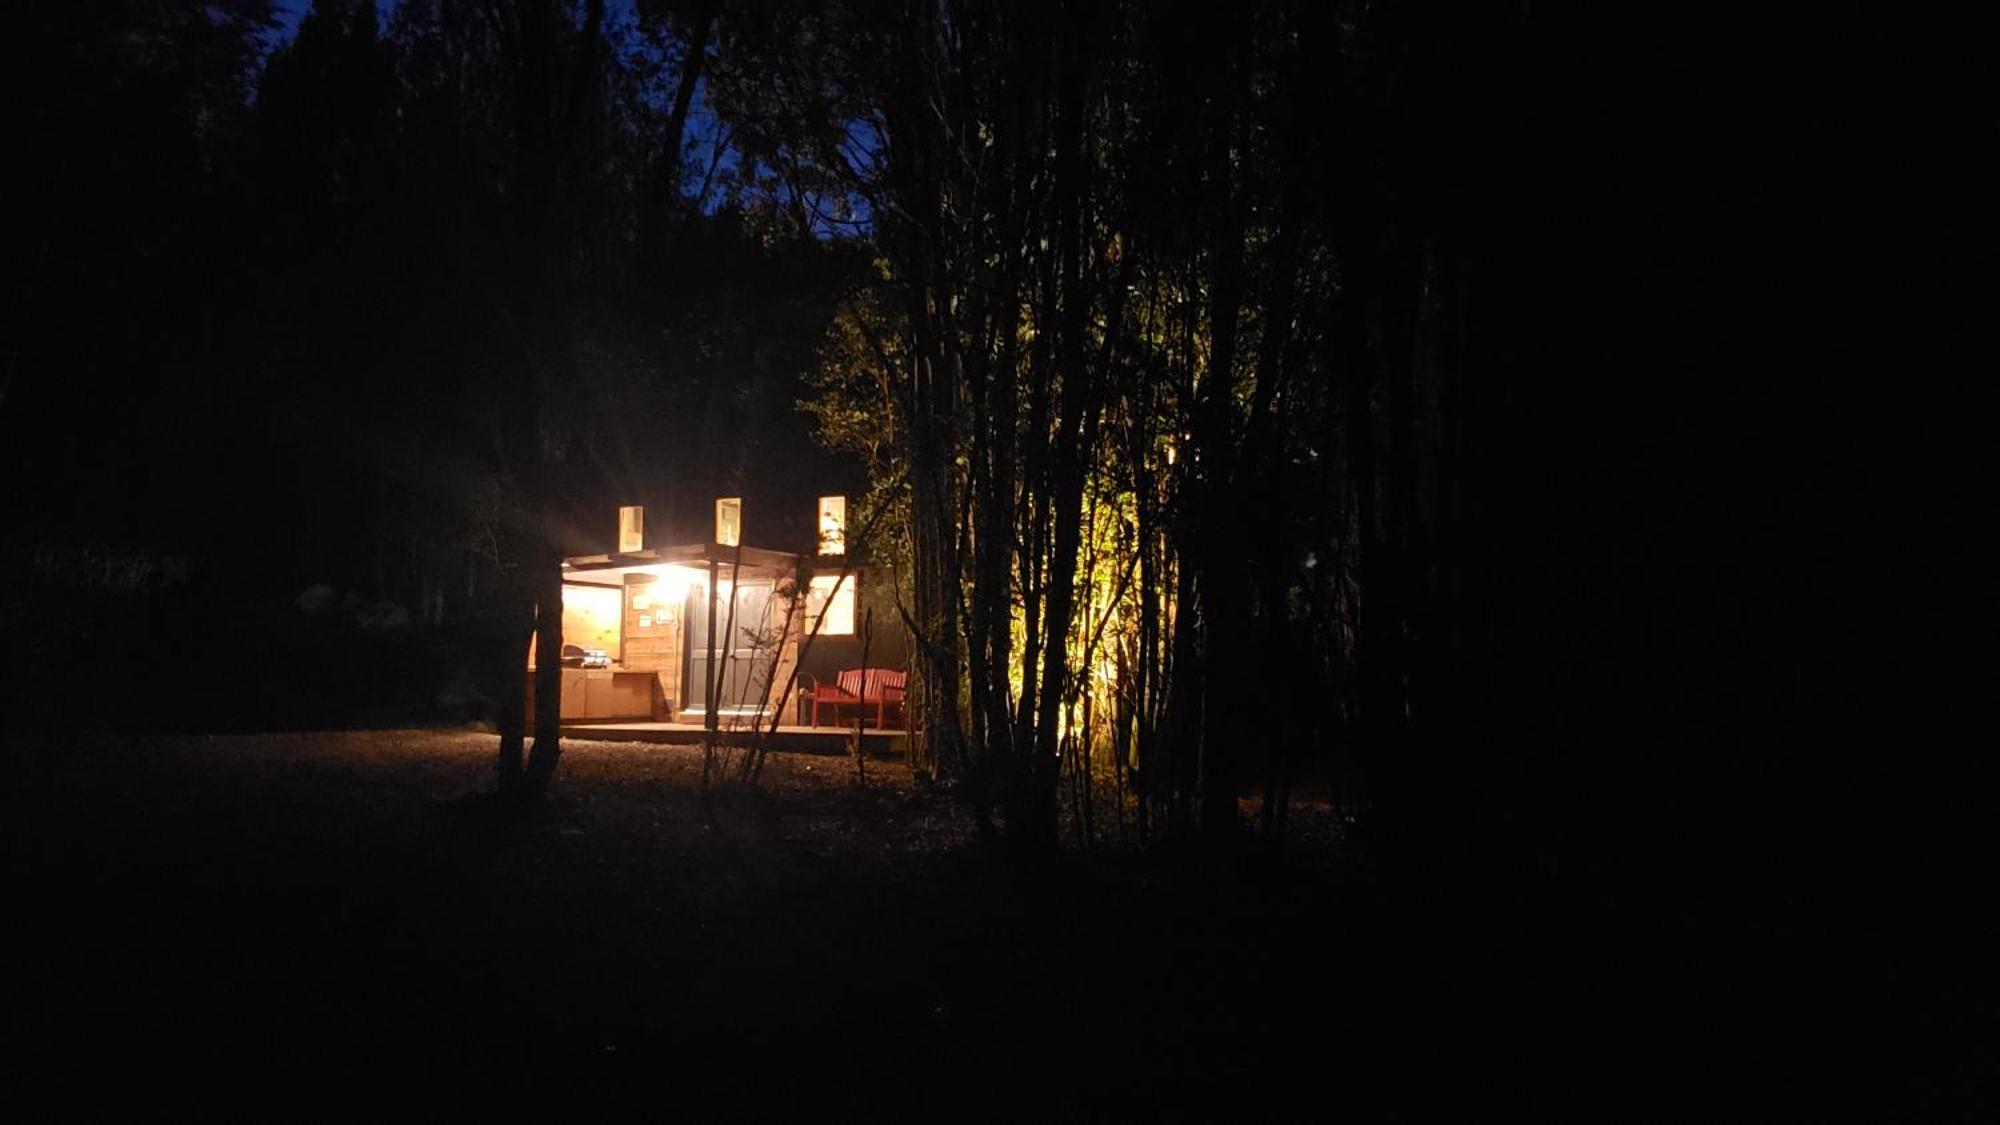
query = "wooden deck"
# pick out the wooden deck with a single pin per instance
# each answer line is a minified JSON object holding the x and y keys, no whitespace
{"x":812,"y":740}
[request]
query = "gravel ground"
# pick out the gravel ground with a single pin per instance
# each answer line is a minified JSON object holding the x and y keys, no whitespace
{"x":313,"y":923}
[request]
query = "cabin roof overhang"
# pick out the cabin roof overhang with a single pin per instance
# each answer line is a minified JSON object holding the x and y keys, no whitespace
{"x":611,"y":569}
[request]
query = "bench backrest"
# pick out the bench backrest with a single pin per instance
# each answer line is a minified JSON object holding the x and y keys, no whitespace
{"x":873,"y":683}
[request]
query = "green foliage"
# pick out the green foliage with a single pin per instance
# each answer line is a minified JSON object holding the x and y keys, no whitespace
{"x":854,"y":399}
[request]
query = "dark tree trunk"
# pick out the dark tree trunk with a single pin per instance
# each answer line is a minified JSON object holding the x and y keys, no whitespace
{"x":510,"y":655}
{"x":656,"y":220}
{"x":548,"y":116}
{"x":542,"y":758}
{"x":1222,"y":537}
{"x":1037,"y":821}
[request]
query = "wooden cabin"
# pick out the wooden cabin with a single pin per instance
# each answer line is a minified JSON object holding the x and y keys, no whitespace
{"x":676,"y":622}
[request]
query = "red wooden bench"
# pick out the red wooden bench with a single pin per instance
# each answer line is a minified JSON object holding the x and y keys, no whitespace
{"x":881,"y":688}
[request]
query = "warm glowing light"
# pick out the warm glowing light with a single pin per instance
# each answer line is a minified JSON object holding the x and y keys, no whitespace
{"x":833,"y":525}
{"x":669,"y":586}
{"x":631,"y":529}
{"x":833,"y":596}
{"x":729,"y":520}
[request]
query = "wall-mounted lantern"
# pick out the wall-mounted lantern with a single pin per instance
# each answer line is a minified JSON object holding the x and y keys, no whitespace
{"x":833,"y":525}
{"x":729,"y":520}
{"x":631,"y":529}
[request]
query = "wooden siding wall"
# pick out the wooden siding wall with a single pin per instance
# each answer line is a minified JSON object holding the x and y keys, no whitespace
{"x":654,"y":647}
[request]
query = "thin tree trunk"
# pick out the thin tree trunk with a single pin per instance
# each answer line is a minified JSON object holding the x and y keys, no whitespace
{"x":709,"y":711}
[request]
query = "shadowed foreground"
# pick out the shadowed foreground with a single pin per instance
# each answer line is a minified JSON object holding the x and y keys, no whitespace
{"x":214,"y":919}
{"x":317,"y":923}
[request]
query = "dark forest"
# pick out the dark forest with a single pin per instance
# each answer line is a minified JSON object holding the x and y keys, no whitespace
{"x":1364,"y":570}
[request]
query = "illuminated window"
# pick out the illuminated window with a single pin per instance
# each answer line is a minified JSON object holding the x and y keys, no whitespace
{"x":837,"y":604}
{"x":729,"y":520}
{"x":833,"y":525}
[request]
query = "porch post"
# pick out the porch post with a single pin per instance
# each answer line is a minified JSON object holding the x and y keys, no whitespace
{"x":710,"y":674}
